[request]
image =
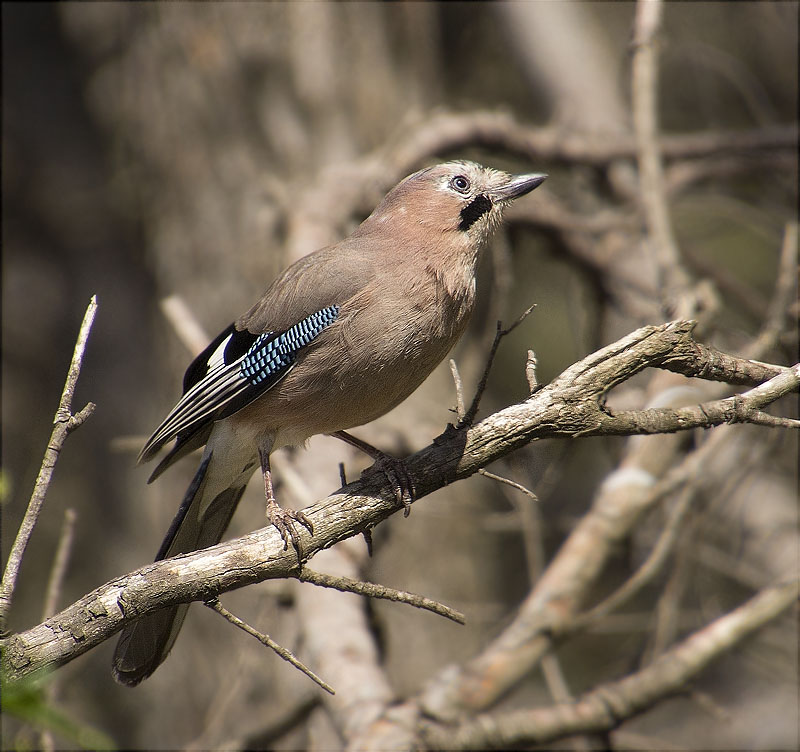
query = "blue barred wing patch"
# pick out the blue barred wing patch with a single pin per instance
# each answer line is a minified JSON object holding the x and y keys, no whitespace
{"x":221,"y":385}
{"x":271,"y":354}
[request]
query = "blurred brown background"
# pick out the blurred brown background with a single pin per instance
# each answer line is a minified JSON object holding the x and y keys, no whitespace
{"x":196,"y":149}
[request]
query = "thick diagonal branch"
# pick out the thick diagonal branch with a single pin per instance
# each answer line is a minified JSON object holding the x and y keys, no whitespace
{"x":570,"y":406}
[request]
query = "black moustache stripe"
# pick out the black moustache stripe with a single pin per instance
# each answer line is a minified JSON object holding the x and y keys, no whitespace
{"x":475,"y":209}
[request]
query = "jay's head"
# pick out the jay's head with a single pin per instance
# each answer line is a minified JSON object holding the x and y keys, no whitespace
{"x":462,"y":201}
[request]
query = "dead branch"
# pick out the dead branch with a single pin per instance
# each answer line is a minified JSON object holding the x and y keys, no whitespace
{"x":674,"y":282}
{"x":469,"y":416}
{"x":608,"y":705}
{"x":679,"y":476}
{"x":568,"y":407}
{"x":448,"y":131}
{"x":619,"y":504}
{"x":372,"y":590}
{"x":64,"y":423}
{"x":266,"y":640}
{"x":341,"y":191}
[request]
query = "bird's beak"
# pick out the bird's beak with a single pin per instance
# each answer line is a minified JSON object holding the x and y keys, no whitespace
{"x":518,"y":186}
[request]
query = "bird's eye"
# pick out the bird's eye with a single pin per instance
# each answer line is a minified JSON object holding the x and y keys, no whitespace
{"x":460,"y":183}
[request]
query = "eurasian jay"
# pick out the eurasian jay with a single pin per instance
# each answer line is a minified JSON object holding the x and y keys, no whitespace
{"x":340,"y":338}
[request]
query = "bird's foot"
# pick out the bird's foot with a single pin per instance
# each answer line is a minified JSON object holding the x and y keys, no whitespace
{"x":283,"y":520}
{"x":394,"y":469}
{"x":396,"y":473}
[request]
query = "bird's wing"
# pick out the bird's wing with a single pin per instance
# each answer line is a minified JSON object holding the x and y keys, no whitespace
{"x":236,"y":368}
{"x":330,"y":275}
{"x":253,"y":354}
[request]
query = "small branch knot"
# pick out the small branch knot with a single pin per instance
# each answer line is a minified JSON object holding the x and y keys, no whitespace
{"x":63,"y":415}
{"x":741,"y":410}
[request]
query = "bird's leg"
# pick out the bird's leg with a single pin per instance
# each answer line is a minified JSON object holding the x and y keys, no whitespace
{"x":393,"y":468}
{"x":281,"y":518}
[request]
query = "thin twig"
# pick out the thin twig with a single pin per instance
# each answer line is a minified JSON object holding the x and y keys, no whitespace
{"x":52,"y":593}
{"x":215,"y":605}
{"x":560,"y":692}
{"x":530,"y":371}
{"x":667,"y":611}
{"x":644,"y":96}
{"x":708,"y":704}
{"x":459,"y":386}
{"x":367,"y":535}
{"x":60,"y":562}
{"x":228,"y":691}
{"x":469,"y":416}
{"x":760,"y":418}
{"x":507,"y":481}
{"x":647,"y":571}
{"x":682,"y":474}
{"x":370,"y":589}
{"x":64,"y":423}
{"x":783,"y":294}
{"x":534,"y":549}
{"x":786,"y":282}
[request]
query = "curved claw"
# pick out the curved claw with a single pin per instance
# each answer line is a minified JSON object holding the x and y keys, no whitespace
{"x":397,"y":474}
{"x":394,"y":469}
{"x":283,"y":520}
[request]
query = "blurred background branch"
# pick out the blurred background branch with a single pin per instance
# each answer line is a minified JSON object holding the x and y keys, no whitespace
{"x":163,"y":149}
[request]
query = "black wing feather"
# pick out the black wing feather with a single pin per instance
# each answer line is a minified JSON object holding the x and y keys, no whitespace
{"x":236,"y":368}
{"x":240,"y":342}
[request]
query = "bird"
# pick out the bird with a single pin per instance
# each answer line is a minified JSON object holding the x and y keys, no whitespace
{"x":341,"y":337}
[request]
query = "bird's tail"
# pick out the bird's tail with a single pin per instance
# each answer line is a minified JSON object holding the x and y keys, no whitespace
{"x":145,"y":643}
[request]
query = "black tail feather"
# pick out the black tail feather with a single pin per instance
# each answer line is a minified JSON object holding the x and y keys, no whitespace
{"x":186,"y":504}
{"x":146,"y":642}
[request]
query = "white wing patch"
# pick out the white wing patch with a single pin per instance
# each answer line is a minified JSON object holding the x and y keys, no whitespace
{"x":217,"y":358}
